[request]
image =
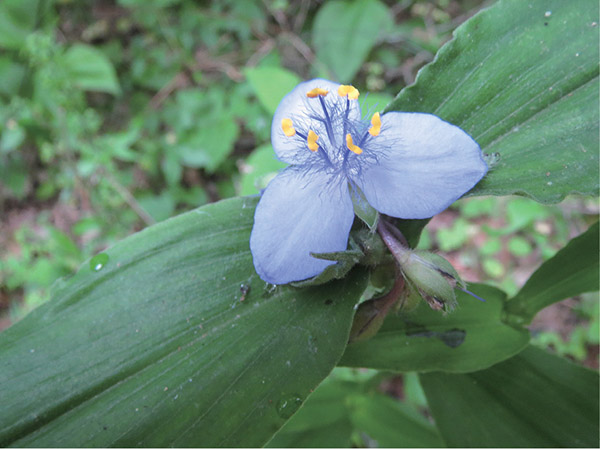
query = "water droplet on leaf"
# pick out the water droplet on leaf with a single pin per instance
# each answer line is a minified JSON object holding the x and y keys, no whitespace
{"x":98,"y":261}
{"x":286,"y":407}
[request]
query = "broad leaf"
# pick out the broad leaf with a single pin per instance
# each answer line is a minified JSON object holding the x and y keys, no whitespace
{"x":572,"y":271}
{"x":340,"y":408}
{"x":271,"y":84}
{"x":11,"y":76}
{"x":345,"y":31}
{"x":90,"y":69}
{"x":170,"y":339}
{"x":323,"y":421}
{"x":471,"y":338}
{"x":532,"y":400}
{"x":258,"y":169}
{"x":522,"y":79}
{"x":18,"y":20}
{"x":391,"y":423}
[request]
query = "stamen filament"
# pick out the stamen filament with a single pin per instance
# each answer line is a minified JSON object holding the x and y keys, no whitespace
{"x":330,"y":133}
{"x":346,"y":113}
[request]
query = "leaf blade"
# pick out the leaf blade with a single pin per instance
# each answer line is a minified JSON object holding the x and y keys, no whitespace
{"x":534,"y":399}
{"x":344,"y":53}
{"x":471,"y":338}
{"x":572,"y":271}
{"x":165,"y":327}
{"x":512,"y":77}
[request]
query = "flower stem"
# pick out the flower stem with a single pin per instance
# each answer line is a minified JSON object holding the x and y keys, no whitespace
{"x":393,"y":239}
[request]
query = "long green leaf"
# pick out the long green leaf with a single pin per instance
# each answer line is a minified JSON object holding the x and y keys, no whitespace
{"x":340,"y":408}
{"x":532,"y":400}
{"x":522,"y":79}
{"x":392,"y":423}
{"x":471,"y":338}
{"x":323,"y":421}
{"x":170,"y":339}
{"x":572,"y":271}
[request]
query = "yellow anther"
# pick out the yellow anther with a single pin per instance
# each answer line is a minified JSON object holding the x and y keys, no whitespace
{"x":288,"y":127}
{"x":376,"y":122}
{"x":355,"y":149}
{"x":312,"y":141}
{"x":351,"y":91}
{"x":316,"y":92}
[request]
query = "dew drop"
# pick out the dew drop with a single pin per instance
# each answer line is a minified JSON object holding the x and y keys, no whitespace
{"x":99,"y":261}
{"x":286,"y":407}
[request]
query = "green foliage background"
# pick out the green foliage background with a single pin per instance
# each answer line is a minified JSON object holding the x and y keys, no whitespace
{"x":115,"y":116}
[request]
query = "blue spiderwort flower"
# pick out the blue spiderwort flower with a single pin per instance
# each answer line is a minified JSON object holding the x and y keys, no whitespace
{"x":408,"y":165}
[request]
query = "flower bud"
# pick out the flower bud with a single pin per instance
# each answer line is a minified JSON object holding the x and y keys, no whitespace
{"x":432,"y":276}
{"x":368,"y":320}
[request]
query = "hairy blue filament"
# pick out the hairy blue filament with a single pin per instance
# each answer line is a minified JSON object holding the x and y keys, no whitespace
{"x":339,"y":118}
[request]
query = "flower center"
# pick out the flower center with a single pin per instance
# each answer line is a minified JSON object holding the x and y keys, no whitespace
{"x":330,"y":125}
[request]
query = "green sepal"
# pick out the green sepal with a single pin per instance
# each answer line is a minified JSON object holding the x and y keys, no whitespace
{"x":363,"y":209}
{"x":374,"y":250}
{"x":345,"y":261}
{"x":411,"y":299}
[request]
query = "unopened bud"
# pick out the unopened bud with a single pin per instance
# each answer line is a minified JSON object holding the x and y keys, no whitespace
{"x":370,"y":314}
{"x":368,"y":320}
{"x":433,"y":277}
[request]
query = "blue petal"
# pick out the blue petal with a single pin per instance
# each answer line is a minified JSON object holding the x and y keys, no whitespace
{"x":302,"y":110}
{"x":423,"y":164}
{"x":301,"y":211}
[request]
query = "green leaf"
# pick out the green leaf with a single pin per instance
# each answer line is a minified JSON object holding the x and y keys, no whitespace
{"x":522,"y":213}
{"x":412,"y":229}
{"x":202,"y":143}
{"x":532,"y":400}
{"x":260,"y":167}
{"x":522,"y":79}
{"x":322,"y":421}
{"x":391,"y":423}
{"x":11,"y":76}
{"x":344,"y":33}
{"x":271,"y":84}
{"x":572,"y":271}
{"x":374,"y":102}
{"x":90,"y":69}
{"x":339,"y":408}
{"x":519,"y":246}
{"x":17,"y":20}
{"x":209,"y":144}
{"x":450,"y":239}
{"x":471,"y":338}
{"x":159,"y":207}
{"x":170,"y":339}
{"x":14,"y":176}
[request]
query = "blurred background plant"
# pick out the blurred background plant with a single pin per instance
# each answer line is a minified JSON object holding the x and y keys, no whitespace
{"x":118,"y":114}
